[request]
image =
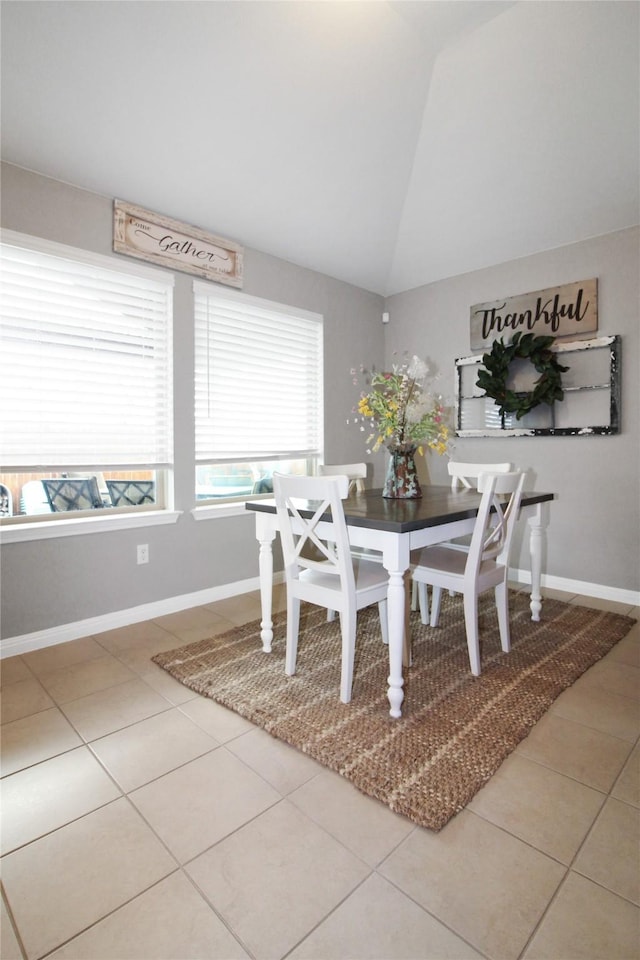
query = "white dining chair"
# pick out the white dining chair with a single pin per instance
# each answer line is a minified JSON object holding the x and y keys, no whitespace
{"x":337,"y":581}
{"x":464,"y":475}
{"x":356,"y":472}
{"x":483,"y":566}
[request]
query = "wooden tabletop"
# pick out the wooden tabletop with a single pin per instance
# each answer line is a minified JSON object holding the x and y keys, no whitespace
{"x":438,"y":504}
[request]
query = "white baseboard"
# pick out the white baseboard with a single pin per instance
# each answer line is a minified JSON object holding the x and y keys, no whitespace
{"x":14,"y":646}
{"x":597,"y":590}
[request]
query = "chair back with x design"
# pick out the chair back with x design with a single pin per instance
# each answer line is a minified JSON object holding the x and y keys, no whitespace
{"x":356,"y":472}
{"x":484,"y":566}
{"x":465,"y":475}
{"x":302,"y":545}
{"x":130,"y":493}
{"x":72,"y":493}
{"x":496,"y":519}
{"x":319,"y":567}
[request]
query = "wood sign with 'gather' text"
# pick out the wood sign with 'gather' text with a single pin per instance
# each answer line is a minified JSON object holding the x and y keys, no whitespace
{"x":567,"y":311}
{"x":169,"y":243}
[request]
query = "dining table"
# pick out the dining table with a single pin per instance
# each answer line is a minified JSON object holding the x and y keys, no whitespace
{"x":395,"y":528}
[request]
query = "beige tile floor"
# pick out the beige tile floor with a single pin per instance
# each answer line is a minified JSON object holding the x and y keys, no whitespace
{"x":143,"y":821}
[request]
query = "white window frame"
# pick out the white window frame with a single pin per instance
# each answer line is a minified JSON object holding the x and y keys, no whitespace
{"x":16,"y":529}
{"x":237,"y":300}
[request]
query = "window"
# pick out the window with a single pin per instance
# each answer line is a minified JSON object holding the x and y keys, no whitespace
{"x":590,"y":406}
{"x":85,"y":380}
{"x":258,"y":392}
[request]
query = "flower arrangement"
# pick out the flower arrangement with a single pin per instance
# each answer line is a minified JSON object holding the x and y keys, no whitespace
{"x":401,"y":411}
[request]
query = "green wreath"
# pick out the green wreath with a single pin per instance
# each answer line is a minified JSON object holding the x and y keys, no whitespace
{"x":493,"y":379}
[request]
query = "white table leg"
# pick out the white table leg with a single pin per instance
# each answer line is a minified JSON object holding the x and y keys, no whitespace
{"x":396,"y":600}
{"x":537,"y":542}
{"x":265,"y":534}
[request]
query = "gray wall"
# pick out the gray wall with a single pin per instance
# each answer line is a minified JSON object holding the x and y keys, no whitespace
{"x":595,"y":519}
{"x":56,"y":581}
{"x":594,"y":534}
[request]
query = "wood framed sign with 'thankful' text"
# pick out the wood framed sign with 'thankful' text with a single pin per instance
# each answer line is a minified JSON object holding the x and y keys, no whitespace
{"x":149,"y":236}
{"x":567,"y":311}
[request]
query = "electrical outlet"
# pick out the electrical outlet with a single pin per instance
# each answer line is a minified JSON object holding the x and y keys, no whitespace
{"x":143,"y":553}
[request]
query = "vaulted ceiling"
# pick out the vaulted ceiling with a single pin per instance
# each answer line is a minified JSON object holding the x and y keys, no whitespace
{"x":388,"y":144}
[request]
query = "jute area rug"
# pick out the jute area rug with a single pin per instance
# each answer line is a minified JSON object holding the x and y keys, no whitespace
{"x":456,"y":729}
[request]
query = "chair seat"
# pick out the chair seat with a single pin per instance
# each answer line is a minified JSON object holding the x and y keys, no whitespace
{"x":450,"y":560}
{"x":368,"y":575}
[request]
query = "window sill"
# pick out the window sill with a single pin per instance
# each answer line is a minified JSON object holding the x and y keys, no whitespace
{"x":51,"y":529}
{"x":219,"y":510}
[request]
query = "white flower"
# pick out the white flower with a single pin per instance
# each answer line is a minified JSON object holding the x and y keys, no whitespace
{"x":417,"y":369}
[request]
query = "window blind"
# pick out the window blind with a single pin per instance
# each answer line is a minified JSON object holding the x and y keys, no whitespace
{"x":85,"y":363}
{"x":258,"y":379}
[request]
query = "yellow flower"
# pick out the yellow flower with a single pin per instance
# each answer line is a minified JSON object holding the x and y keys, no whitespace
{"x":439,"y":446}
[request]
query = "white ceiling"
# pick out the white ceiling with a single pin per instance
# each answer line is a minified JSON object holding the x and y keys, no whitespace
{"x":389,"y":144}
